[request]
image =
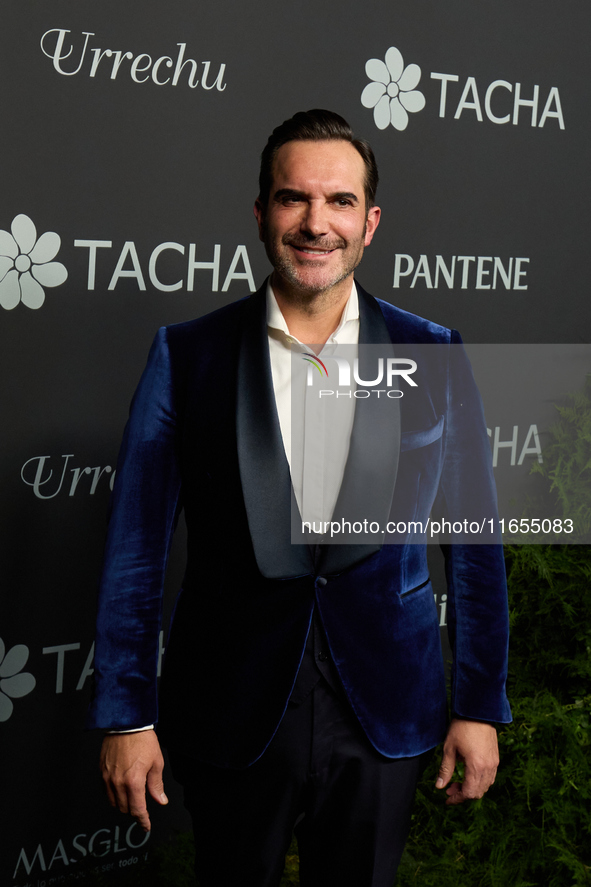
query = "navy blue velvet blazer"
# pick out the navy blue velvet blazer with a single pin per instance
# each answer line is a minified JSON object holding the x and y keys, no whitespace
{"x":204,"y":435}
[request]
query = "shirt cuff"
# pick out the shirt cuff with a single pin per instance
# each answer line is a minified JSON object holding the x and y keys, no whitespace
{"x":133,"y":730}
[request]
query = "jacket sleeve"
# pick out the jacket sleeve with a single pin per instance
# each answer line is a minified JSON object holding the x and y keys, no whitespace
{"x":143,"y":512}
{"x":477,"y":611}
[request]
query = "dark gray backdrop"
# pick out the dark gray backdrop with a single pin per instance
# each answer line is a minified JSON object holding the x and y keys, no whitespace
{"x":132,"y":161}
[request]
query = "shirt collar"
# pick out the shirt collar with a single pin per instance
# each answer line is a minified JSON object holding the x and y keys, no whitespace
{"x":276,"y":320}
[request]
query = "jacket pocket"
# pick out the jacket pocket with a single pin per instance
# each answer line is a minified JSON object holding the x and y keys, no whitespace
{"x":416,"y":588}
{"x":412,"y":440}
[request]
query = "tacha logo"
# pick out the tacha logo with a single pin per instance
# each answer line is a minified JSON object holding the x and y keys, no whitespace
{"x":26,"y":264}
{"x":392,"y":93}
{"x":14,"y":682}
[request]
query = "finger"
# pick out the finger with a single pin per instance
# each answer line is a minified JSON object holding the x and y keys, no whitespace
{"x":455,"y":794}
{"x":478,"y":781}
{"x":140,"y":814}
{"x":448,"y":763}
{"x":116,"y":791}
{"x":475,"y":785}
{"x":136,"y":803}
{"x":130,"y":790}
{"x":121,"y":797}
{"x":156,"y":786}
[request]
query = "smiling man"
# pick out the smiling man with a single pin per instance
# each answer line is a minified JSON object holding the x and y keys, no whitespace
{"x":313,"y":228}
{"x":303,"y":685}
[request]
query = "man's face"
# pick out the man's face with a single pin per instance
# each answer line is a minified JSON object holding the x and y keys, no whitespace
{"x":316,"y":225}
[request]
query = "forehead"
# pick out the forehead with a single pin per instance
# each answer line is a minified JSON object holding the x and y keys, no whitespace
{"x":328,"y":166}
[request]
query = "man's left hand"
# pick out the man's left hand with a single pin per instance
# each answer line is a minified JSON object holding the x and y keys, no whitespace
{"x":474,"y":743}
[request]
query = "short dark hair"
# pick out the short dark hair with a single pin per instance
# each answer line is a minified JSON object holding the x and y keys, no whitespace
{"x":316,"y":125}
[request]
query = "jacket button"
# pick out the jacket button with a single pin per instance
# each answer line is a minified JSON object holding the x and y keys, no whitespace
{"x":322,"y":581}
{"x":323,"y":657}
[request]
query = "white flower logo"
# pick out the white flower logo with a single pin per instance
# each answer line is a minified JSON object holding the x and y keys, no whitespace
{"x":392,"y":94}
{"x":26,"y":264}
{"x":12,"y":684}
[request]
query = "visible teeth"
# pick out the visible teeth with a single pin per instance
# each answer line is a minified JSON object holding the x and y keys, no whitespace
{"x":315,"y":252}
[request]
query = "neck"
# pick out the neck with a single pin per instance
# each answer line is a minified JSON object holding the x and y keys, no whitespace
{"x":312,"y":317}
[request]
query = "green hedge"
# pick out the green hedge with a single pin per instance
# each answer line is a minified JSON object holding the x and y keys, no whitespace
{"x":534,"y":825}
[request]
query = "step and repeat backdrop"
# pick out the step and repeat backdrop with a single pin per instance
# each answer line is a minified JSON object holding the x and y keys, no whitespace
{"x":131,"y":136}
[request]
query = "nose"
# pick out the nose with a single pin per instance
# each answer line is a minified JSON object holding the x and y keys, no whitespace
{"x":314,"y":221}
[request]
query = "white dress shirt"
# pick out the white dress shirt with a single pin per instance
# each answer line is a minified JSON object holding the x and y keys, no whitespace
{"x":316,"y":431}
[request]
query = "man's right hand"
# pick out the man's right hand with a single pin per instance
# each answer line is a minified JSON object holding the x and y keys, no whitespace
{"x":130,"y":762}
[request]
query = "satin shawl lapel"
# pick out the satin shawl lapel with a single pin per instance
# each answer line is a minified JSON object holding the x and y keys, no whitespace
{"x":372,"y":463}
{"x":264,"y":471}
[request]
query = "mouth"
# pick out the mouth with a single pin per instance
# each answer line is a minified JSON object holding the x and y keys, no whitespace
{"x":312,"y":252}
{"x":306,"y":251}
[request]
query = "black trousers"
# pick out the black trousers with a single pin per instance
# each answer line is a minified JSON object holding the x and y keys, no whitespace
{"x":350,"y":807}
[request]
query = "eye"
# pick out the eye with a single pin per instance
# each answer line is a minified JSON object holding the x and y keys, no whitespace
{"x":343,"y":201}
{"x":290,"y":199}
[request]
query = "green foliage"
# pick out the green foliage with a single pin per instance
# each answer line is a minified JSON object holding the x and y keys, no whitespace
{"x":291,"y":877}
{"x":533,"y":828}
{"x":567,"y":462}
{"x":534,"y":825}
{"x":550,"y":618}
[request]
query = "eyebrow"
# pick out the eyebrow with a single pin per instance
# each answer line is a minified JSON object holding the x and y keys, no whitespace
{"x":292,"y":192}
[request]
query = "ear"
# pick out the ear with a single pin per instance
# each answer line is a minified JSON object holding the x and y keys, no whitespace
{"x":259,"y":214}
{"x":373,"y":220}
